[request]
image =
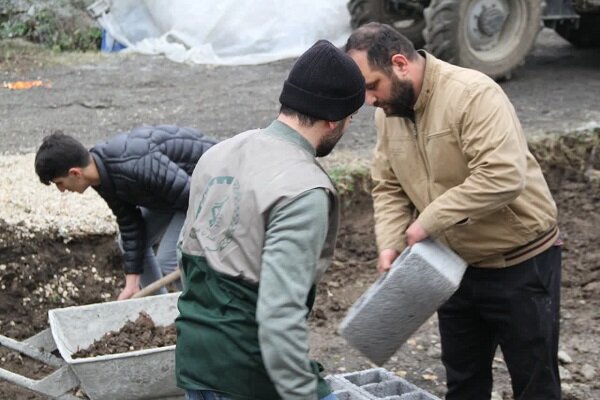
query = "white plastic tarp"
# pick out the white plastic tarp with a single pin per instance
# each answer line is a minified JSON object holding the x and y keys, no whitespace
{"x":227,"y":32}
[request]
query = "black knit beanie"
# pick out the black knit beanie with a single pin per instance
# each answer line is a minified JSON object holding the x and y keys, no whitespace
{"x":324,"y":83}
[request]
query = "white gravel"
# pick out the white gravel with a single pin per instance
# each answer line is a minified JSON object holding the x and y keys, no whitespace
{"x":32,"y":207}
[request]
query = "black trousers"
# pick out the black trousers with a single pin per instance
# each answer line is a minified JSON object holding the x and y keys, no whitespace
{"x":515,"y":307}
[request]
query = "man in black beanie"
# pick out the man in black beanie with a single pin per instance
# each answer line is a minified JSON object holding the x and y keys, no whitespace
{"x":258,"y":236}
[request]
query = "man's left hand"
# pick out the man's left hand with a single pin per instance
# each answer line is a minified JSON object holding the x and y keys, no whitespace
{"x":132,"y":286}
{"x":415,"y":233}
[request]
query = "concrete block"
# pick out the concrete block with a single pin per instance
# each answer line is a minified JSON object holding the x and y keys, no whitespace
{"x":419,"y":395}
{"x":421,"y":279}
{"x":348,"y":395}
{"x":336,"y":383}
{"x":375,"y":384}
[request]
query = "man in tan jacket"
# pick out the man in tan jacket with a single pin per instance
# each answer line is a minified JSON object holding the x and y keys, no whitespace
{"x":451,"y":162}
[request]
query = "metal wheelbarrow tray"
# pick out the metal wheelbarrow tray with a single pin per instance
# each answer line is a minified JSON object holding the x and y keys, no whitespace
{"x":141,"y":374}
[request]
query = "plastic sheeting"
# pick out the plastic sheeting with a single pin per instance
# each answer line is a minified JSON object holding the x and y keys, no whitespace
{"x":226,"y":32}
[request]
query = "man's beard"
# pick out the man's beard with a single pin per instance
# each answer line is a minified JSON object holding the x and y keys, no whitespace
{"x":402,"y":99}
{"x":329,"y":141}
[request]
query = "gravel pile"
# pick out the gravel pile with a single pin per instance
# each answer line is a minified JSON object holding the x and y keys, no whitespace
{"x":32,"y":207}
{"x":29,"y":207}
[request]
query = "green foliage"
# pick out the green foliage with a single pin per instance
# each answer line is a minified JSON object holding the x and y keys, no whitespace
{"x":349,"y":179}
{"x":10,"y":29}
{"x":353,"y":183}
{"x":46,"y":28}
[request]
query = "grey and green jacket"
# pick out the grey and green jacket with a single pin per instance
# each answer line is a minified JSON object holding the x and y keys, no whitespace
{"x":259,"y":234}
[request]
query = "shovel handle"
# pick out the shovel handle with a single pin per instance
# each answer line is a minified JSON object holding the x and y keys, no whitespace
{"x":154,"y":286}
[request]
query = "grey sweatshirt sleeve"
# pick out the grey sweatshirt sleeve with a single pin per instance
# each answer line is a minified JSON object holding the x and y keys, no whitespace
{"x":295,"y":236}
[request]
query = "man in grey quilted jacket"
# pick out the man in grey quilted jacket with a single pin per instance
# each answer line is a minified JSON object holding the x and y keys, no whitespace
{"x":144,"y":177}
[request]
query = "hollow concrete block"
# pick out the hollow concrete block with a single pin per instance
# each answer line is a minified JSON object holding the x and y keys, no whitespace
{"x":375,"y":384}
{"x":421,"y":279}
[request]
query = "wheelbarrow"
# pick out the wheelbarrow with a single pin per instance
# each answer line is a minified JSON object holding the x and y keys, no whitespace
{"x":141,"y":374}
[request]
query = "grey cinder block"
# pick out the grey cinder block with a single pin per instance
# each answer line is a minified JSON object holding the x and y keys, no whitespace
{"x":348,"y":395}
{"x":421,"y":279}
{"x":375,"y":384}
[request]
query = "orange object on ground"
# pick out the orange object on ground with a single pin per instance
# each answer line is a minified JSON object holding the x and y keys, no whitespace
{"x":21,"y":85}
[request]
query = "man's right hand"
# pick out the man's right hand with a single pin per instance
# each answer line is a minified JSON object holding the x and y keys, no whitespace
{"x":386,"y":258}
{"x":132,"y":286}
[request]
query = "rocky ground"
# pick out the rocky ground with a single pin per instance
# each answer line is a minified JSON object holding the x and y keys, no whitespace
{"x":59,"y":250}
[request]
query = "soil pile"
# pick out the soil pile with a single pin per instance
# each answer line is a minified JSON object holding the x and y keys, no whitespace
{"x":134,"y":335}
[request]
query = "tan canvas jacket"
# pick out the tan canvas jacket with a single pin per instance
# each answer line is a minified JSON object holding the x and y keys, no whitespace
{"x":463,"y":165}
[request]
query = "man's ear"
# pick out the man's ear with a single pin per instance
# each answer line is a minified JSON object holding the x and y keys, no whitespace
{"x":332,"y":124}
{"x":400,"y":64}
{"x":75,"y":171}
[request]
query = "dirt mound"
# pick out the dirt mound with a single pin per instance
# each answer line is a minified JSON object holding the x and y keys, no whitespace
{"x":134,"y":335}
{"x":43,"y":272}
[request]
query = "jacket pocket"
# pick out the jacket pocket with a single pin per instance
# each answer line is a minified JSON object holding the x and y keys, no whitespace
{"x":492,"y":235}
{"x":519,"y":227}
{"x":447,"y":164}
{"x":434,"y":135}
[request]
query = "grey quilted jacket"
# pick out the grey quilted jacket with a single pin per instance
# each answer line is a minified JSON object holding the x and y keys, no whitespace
{"x":148,"y":167}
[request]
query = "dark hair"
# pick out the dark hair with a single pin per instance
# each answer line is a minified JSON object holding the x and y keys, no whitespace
{"x":305,"y":120}
{"x":381,"y":42}
{"x":57,"y":154}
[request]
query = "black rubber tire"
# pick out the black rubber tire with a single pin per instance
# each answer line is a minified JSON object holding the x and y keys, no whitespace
{"x":365,"y":11}
{"x":446,"y":36}
{"x":586,"y":34}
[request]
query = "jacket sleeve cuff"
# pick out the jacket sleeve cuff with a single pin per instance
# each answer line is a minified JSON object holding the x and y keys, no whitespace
{"x":398,"y":245}
{"x":430,"y":222}
{"x":133,"y":265}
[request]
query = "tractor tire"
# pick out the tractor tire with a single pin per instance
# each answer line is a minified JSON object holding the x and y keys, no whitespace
{"x":492,"y":36}
{"x":584,"y":34}
{"x":365,"y":11}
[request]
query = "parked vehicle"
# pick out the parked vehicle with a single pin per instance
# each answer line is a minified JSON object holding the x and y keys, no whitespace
{"x":493,"y":36}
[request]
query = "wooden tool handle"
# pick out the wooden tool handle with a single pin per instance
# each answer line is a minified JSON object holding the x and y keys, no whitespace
{"x":154,"y":286}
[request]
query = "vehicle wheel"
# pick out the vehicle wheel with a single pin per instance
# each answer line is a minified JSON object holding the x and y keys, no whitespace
{"x":409,"y":23}
{"x":492,"y":36}
{"x":586,"y":34}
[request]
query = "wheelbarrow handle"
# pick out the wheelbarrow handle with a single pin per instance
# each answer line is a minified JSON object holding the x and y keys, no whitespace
{"x":154,"y":286}
{"x":31,"y":347}
{"x":57,"y":384}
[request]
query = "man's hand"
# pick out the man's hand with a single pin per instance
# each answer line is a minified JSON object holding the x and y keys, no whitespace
{"x":415,"y":233}
{"x":386,"y":258}
{"x":132,"y":286}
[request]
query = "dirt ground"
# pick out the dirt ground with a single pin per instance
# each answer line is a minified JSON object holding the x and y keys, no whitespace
{"x":95,"y":95}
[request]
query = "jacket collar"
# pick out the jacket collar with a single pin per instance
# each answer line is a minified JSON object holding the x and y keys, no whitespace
{"x":106,"y":183}
{"x":430,"y":78}
{"x":285,"y":132}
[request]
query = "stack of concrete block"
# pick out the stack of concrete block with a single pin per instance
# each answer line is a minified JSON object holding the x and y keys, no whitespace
{"x":421,"y":279}
{"x":375,"y":384}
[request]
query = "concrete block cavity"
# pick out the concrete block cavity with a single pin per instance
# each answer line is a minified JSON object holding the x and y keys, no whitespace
{"x":389,"y":388}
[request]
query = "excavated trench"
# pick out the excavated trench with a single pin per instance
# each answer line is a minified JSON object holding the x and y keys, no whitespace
{"x":39,"y":272}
